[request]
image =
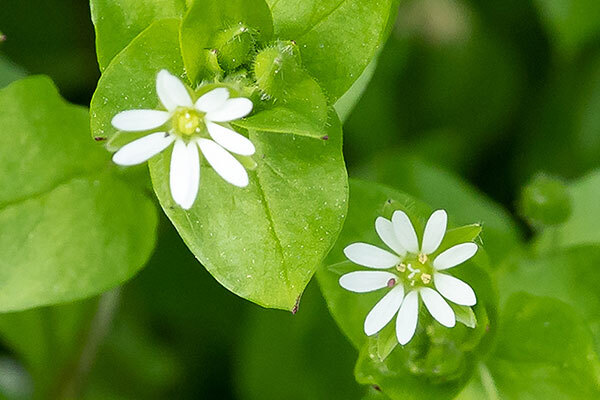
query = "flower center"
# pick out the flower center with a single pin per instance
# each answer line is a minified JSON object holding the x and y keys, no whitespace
{"x":417,"y":270}
{"x":187,"y":121}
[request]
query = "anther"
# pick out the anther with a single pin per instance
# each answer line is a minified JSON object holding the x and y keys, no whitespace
{"x":426,"y":278}
{"x":391,"y":283}
{"x":423,"y":258}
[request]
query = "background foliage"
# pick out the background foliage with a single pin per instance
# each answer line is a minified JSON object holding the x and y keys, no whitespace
{"x":468,"y":101}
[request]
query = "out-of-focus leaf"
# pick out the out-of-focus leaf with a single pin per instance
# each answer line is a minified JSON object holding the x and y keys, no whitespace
{"x":337,"y":38}
{"x":276,"y":364}
{"x":70,"y":228}
{"x":544,"y":351}
{"x":118,"y":22}
{"x":48,"y":341}
{"x":569,"y":275}
{"x":9,"y":71}
{"x":572,"y":23}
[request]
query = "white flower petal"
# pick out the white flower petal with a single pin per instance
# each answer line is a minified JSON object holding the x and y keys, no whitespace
{"x":231,"y":110}
{"x":406,"y":323}
{"x":143,"y":149}
{"x":405,"y":231}
{"x":437,"y":306}
{"x":366,"y":281}
{"x":185,"y":173}
{"x":454,"y":256}
{"x":224,"y":163}
{"x":370,"y":256}
{"x":385,"y":230}
{"x":139,"y":120}
{"x":230,"y":139}
{"x":454,"y":289}
{"x":434,"y":231}
{"x":384,"y":310}
{"x":212,"y":100}
{"x":171,"y":91}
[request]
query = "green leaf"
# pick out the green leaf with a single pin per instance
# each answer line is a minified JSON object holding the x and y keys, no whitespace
{"x":569,"y":275}
{"x":572,"y":23}
{"x":264,"y":242}
{"x":65,"y":215}
{"x":438,"y":361}
{"x":441,"y":189}
{"x":130,"y":81}
{"x":337,"y":38}
{"x":464,"y":315}
{"x":118,"y":22}
{"x":205,"y":18}
{"x":282,"y":120}
{"x":544,"y":351}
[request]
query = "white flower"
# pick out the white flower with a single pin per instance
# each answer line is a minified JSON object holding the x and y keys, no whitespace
{"x":184,"y":123}
{"x":410,"y":266}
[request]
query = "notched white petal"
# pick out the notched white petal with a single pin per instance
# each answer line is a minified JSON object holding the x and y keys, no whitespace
{"x":142,"y":149}
{"x":454,"y":289}
{"x":366,"y":281}
{"x":434,"y":231}
{"x":437,"y":306}
{"x":184,"y":173}
{"x":406,"y":323}
{"x":385,"y":230}
{"x":231,"y":110}
{"x":171,"y":91}
{"x":454,"y":256}
{"x":212,"y":100}
{"x":224,"y":164}
{"x":384,"y":311}
{"x":139,"y":120}
{"x":405,"y":231}
{"x":230,"y":139}
{"x":370,"y":256}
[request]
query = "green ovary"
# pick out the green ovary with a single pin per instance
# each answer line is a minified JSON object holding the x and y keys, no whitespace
{"x":187,"y":121}
{"x":416,"y":270}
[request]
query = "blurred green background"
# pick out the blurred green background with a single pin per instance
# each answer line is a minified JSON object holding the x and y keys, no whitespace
{"x":494,"y":92}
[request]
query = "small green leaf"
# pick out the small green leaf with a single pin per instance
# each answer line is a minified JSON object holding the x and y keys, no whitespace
{"x":118,"y":22}
{"x":65,"y":214}
{"x":264,"y":242}
{"x":206,"y":18}
{"x":337,"y":38}
{"x":282,"y":120}
{"x":464,"y":315}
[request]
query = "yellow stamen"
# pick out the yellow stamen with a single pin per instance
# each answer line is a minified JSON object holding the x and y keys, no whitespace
{"x":426,"y":278}
{"x":423,"y":258}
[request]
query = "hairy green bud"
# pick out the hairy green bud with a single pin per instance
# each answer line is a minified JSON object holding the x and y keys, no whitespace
{"x":278,"y":67}
{"x":234,"y":47}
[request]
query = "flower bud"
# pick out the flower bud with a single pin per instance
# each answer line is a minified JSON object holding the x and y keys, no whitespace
{"x":545,"y":201}
{"x":234,"y":47}
{"x":277,"y":67}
